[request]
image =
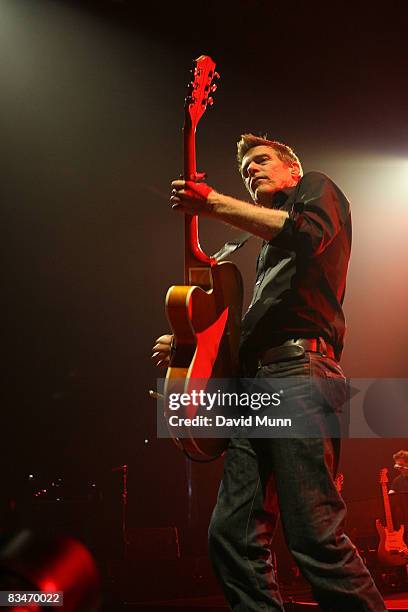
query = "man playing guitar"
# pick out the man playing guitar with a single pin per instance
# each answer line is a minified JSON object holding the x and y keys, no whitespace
{"x":400,"y":483}
{"x":399,"y":490}
{"x":294,"y":328}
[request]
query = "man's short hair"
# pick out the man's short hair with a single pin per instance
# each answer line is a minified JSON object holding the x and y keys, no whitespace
{"x":402,"y":455}
{"x":283,"y":152}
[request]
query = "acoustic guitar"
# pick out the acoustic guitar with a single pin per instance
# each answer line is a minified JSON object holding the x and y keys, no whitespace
{"x":205,"y":312}
{"x":392,"y":549}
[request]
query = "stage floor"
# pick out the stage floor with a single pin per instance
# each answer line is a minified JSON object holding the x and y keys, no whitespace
{"x":396,"y":601}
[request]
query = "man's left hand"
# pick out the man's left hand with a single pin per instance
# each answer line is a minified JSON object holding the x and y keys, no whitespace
{"x":190,"y":197}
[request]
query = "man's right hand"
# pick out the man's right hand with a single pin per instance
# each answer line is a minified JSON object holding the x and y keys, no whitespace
{"x":161,"y":351}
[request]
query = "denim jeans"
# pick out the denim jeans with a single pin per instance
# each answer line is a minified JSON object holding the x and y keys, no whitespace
{"x":294,"y":477}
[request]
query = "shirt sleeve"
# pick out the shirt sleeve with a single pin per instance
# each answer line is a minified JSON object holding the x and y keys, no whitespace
{"x":319,"y":212}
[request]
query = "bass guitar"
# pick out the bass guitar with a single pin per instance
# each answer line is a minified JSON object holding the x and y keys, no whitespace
{"x":205,"y":312}
{"x":392,"y":549}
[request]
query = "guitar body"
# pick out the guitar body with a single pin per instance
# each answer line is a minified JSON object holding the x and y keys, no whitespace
{"x":392,"y":549}
{"x":206,"y":328}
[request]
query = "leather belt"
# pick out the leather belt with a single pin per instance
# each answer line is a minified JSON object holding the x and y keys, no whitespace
{"x":315,"y":345}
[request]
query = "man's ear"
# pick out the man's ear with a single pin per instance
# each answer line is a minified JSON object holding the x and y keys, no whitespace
{"x":295,"y":170}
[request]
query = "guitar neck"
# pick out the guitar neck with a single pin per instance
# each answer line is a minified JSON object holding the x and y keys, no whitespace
{"x":387,"y":507}
{"x":197,"y":265}
{"x":195,"y":260}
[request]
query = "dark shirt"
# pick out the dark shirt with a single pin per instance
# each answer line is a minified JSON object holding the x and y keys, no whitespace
{"x":400,"y":484}
{"x":399,"y":502}
{"x":301,"y":273}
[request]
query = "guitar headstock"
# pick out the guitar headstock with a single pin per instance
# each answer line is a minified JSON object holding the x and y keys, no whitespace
{"x":200,"y":89}
{"x":384,"y":476}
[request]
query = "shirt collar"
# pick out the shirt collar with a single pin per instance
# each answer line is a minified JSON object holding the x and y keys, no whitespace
{"x":279,"y":198}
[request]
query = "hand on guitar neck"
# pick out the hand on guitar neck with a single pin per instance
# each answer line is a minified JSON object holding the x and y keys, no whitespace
{"x":190,"y":197}
{"x":201,"y":199}
{"x":161,"y":351}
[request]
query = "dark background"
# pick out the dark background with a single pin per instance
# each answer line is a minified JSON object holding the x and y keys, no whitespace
{"x":91,"y":110}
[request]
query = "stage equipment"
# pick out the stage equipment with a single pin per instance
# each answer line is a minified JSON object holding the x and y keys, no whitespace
{"x":31,"y":562}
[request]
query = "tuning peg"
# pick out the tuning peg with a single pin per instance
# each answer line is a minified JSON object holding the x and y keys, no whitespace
{"x":213,"y":88}
{"x":216,"y":75}
{"x":210,"y":101}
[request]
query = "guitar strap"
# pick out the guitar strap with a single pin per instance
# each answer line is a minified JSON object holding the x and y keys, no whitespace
{"x":232,"y":245}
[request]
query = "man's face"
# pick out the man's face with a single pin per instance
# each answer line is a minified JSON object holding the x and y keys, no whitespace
{"x":403,"y":469}
{"x":264,"y":174}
